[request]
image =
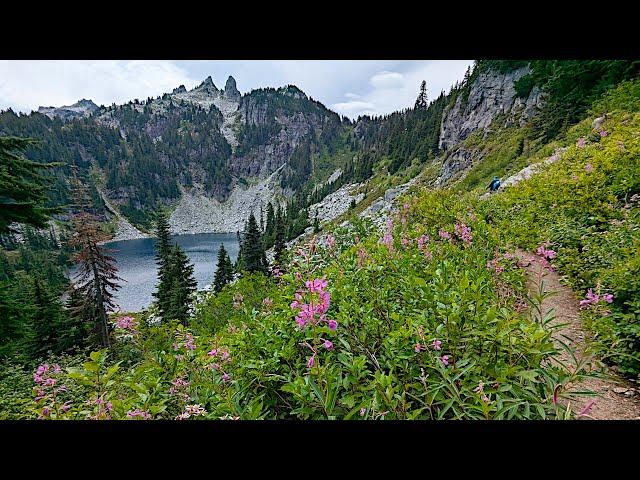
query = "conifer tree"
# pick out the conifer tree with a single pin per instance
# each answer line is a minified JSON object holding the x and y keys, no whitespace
{"x":253,"y":255}
{"x":97,"y":276}
{"x":279,"y":237}
{"x":163,"y":258}
{"x":421,"y":101}
{"x":182,"y":285}
{"x":22,"y":186}
{"x":47,"y":317}
{"x":224,"y":270}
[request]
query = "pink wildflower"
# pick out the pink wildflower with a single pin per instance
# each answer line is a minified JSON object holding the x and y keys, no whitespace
{"x":226,"y":377}
{"x":590,"y":299}
{"x":604,"y":133}
{"x":418,"y":347}
{"x":311,"y":362}
{"x":213,"y":352}
{"x":443,"y":234}
{"x":607,"y":297}
{"x":328,"y":345}
{"x":436,"y":345}
{"x":445,"y":360}
{"x":463,"y":233}
{"x":331,"y":241}
{"x":362,"y":412}
{"x":588,"y":167}
{"x":333,"y":324}
{"x":587,"y":408}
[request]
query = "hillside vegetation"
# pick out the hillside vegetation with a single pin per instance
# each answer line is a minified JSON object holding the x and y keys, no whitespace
{"x":426,"y":319}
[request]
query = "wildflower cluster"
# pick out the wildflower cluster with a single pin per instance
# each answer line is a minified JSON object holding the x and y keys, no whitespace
{"x":220,"y":357}
{"x":593,"y":299}
{"x":191,"y":411}
{"x":104,"y":410}
{"x":315,"y":311}
{"x":387,"y":238}
{"x":463,"y":232}
{"x":46,"y":391}
{"x":138,"y":414}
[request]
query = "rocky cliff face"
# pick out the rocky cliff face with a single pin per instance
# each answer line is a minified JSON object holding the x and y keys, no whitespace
{"x":492,"y":96}
{"x":80,"y":109}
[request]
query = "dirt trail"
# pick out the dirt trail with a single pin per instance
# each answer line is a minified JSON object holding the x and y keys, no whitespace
{"x":609,"y":405}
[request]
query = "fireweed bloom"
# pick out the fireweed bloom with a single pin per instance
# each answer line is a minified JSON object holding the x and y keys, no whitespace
{"x":590,"y":299}
{"x":362,"y":257}
{"x":607,"y":297}
{"x":311,"y":362}
{"x":604,"y":133}
{"x":587,"y":408}
{"x":463,"y":233}
{"x":581,"y":143}
{"x":362,"y":412}
{"x":333,"y":324}
{"x":588,"y":167}
{"x":422,"y":241}
{"x":443,"y":234}
{"x":328,"y":345}
{"x":546,"y":254}
{"x":331,"y":241}
{"x":436,"y":344}
{"x":137,"y":413}
{"x":418,"y":347}
{"x":445,"y":360}
{"x":126,"y":323}
{"x":319,"y":300}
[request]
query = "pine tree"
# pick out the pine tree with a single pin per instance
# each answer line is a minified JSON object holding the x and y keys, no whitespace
{"x":163,"y":258}
{"x":279,"y":237}
{"x":22,"y":186}
{"x":421,"y":101}
{"x":253,"y":255}
{"x":47,"y":317}
{"x":316,"y":224}
{"x":182,"y":285}
{"x":224,"y":270}
{"x":96,"y":279}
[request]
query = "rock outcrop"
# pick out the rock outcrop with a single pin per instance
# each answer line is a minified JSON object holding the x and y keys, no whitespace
{"x":81,"y":109}
{"x":491,"y":96}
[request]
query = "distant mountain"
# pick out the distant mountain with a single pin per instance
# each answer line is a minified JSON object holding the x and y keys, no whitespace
{"x":213,"y":155}
{"x":81,"y":109}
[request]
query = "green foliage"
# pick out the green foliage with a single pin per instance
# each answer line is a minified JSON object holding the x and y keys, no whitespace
{"x":586,"y":206}
{"x":22,"y":186}
{"x":224,"y":270}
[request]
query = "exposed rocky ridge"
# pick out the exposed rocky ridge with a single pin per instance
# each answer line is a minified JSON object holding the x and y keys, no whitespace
{"x":124,"y":229}
{"x":81,"y":109}
{"x":336,"y":203}
{"x":492,"y":96}
{"x":199,"y":213}
{"x":227,"y":101}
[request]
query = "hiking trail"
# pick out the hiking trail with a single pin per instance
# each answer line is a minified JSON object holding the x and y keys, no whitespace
{"x":617,"y":399}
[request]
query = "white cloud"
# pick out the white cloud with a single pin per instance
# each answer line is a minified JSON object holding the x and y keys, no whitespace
{"x":25,"y":85}
{"x":387,"y":80}
{"x":354,"y":108}
{"x":352,"y":95}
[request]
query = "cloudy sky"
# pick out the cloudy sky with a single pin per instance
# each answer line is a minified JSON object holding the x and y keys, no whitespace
{"x":349,"y":87}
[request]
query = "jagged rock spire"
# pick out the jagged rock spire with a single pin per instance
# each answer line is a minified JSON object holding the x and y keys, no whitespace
{"x":230,"y":89}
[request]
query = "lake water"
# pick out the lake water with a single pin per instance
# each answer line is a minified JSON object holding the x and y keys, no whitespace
{"x":136,"y":264}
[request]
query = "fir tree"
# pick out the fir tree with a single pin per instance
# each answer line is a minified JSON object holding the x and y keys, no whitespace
{"x":279,"y":237}
{"x":316,"y":224}
{"x":421,"y":101}
{"x":47,"y":318}
{"x":163,"y":258}
{"x":224,"y":270}
{"x":22,"y":186}
{"x":181,"y":284}
{"x":253,"y":255}
{"x":96,"y":279}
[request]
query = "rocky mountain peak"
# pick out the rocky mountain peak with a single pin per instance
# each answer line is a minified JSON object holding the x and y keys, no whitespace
{"x":180,"y":89}
{"x":207,"y":85}
{"x":230,"y":89}
{"x":82,"y":108}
